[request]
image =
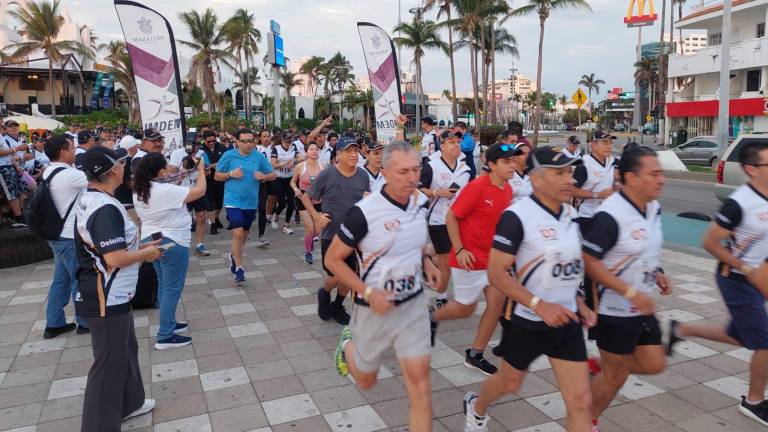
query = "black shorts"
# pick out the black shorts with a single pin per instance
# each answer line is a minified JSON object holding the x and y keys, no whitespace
{"x":621,"y":335}
{"x":440,"y":239}
{"x":351,"y":260}
{"x":214,"y":195}
{"x":268,"y":186}
{"x":523,"y":341}
{"x":300,"y":206}
{"x":200,"y":204}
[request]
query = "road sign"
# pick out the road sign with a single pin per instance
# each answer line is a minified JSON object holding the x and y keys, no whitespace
{"x":579,"y":97}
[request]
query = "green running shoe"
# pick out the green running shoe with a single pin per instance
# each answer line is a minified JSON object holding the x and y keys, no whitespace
{"x":341,"y":361}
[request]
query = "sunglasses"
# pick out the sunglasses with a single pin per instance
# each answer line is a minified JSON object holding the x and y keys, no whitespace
{"x":246,"y":141}
{"x":210,"y":141}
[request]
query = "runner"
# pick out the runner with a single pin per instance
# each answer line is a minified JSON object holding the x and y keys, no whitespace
{"x":305,"y":173}
{"x":467,"y":147}
{"x":520,"y":182}
{"x":265,"y":190}
{"x":741,"y":223}
{"x":388,"y":229}
{"x":441,"y":180}
{"x":595,"y":178}
{"x":373,"y":166}
{"x":429,"y":139}
{"x":338,"y":188}
{"x":572,"y":147}
{"x":622,"y":251}
{"x":471,"y":222}
{"x":242,"y":170}
{"x":536,"y":261}
{"x":214,"y":193}
{"x":182,"y":163}
{"x":284,"y":157}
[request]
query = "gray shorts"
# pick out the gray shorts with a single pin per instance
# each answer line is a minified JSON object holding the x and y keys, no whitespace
{"x":406,"y":328}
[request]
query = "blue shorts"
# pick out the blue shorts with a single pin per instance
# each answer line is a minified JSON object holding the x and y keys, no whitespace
{"x":749,"y":319}
{"x":240,"y":218}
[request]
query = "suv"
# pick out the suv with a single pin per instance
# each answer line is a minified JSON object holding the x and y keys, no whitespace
{"x":729,"y":173}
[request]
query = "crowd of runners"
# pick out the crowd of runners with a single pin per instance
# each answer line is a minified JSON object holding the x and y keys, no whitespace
{"x":558,"y":245}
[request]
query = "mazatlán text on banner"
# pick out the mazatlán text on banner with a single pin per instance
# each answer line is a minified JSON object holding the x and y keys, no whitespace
{"x":152,"y":50}
{"x":385,"y":79}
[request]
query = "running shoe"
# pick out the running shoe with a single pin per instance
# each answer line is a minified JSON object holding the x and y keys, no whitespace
{"x":239,"y":275}
{"x":82,"y":330}
{"x":18,"y":224}
{"x":200,"y":251}
{"x":274,"y":223}
{"x":339,"y":314}
{"x":440,"y":302}
{"x":180,"y":328}
{"x":214,"y":229}
{"x":232,"y":266}
{"x":175,"y":341}
{"x":323,"y":304}
{"x":473,"y":422}
{"x":672,"y":337}
{"x":147,"y":406}
{"x":308,"y":257}
{"x":479,"y":363}
{"x":287,"y":230}
{"x":341,"y":361}
{"x":758,"y":412}
{"x":52,"y":332}
{"x":218,"y":224}
{"x":261,"y":243}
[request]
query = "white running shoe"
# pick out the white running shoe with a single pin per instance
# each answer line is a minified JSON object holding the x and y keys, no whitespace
{"x":274,"y":223}
{"x":287,"y":230}
{"x":473,"y":422}
{"x":149,"y":405}
{"x":261,"y":243}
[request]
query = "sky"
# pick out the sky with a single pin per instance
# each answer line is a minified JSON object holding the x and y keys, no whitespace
{"x":575,"y":42}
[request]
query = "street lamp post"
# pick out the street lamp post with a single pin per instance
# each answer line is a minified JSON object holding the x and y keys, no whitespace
{"x":417,"y":11}
{"x":725,"y":78}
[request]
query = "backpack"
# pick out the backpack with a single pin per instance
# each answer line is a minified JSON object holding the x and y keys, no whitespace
{"x":42,"y":217}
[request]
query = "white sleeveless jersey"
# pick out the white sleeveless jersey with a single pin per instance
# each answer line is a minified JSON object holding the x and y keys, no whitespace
{"x":574,"y":155}
{"x":266,"y":151}
{"x":599,"y":178}
{"x":443,"y":177}
{"x":745,"y":213}
{"x":634,"y":256}
{"x":282,"y":155}
{"x":377,"y":181}
{"x":389,"y":239}
{"x":521,"y":186}
{"x":547,"y":249}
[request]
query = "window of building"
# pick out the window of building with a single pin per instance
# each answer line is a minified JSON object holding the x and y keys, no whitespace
{"x":715,"y":39}
{"x":753,"y":80}
{"x":760,"y":30}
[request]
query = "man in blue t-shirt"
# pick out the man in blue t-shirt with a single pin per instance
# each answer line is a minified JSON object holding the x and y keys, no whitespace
{"x":468,"y":148}
{"x":241,"y":170}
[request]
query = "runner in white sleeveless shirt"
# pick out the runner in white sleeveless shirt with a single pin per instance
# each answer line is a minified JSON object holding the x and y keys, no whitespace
{"x":595,"y":178}
{"x":373,"y":166}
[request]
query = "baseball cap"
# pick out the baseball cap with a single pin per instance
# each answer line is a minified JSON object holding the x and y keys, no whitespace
{"x":548,"y":157}
{"x":99,"y":160}
{"x":345,"y":142}
{"x":573,"y":139}
{"x":11,"y":123}
{"x":451,"y":134}
{"x":601,"y":135}
{"x":306,"y":131}
{"x":375,"y":145}
{"x":152,"y":135}
{"x":84,"y":135}
{"x":428,"y":120}
{"x":286,"y":135}
{"x":127,"y":142}
{"x":500,"y":151}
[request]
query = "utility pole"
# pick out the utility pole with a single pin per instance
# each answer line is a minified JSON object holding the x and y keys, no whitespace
{"x":725,"y":78}
{"x":276,"y":94}
{"x":636,"y":116}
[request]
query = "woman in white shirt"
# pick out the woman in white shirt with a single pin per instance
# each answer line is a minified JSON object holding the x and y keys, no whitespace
{"x":162,"y":208}
{"x":520,"y":182}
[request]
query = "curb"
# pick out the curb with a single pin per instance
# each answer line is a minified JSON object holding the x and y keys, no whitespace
{"x":691,"y":176}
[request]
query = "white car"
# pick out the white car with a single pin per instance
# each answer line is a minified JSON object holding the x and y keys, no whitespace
{"x":729,"y":173}
{"x":586,"y":126}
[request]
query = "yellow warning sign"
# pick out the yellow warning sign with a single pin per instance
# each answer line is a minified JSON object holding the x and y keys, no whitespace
{"x":579,"y":97}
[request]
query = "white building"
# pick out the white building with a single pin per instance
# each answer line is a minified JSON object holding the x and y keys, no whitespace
{"x":694,"y":78}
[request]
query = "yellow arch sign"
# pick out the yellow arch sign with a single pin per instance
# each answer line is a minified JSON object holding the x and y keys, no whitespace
{"x":640,"y":18}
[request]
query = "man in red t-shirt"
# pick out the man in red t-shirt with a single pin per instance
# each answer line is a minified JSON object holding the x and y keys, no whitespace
{"x":471,"y":223}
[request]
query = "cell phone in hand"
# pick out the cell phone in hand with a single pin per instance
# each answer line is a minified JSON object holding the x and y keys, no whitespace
{"x":157,"y":236}
{"x":166,"y":246}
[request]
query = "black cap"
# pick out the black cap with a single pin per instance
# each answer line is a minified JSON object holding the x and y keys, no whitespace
{"x":375,"y":145}
{"x":548,"y":157}
{"x":286,"y":135}
{"x":500,"y":151}
{"x":306,"y":131}
{"x":447,"y":134}
{"x":601,"y":135}
{"x":84,"y":135}
{"x":11,"y":123}
{"x":428,"y":120}
{"x":100,"y":160}
{"x":325,"y":131}
{"x":152,"y":135}
{"x":573,"y":139}
{"x":345,"y":142}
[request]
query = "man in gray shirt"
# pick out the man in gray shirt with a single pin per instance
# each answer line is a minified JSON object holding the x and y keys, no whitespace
{"x":338,"y":188}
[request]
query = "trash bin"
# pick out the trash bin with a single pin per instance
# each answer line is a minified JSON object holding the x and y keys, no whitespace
{"x":682,"y":136}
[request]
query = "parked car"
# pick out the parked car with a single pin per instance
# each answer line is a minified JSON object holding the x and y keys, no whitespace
{"x":702,"y":150}
{"x":619,"y":127}
{"x":729,"y":173}
{"x":586,"y":126}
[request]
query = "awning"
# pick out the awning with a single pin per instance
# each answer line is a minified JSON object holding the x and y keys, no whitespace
{"x":710,"y":108}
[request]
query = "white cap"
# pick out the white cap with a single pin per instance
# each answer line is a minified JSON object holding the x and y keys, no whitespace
{"x":128,"y":142}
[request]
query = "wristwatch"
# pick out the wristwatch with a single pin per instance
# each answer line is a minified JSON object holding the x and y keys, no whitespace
{"x":367,"y":293}
{"x":630,"y":294}
{"x":534,"y":302}
{"x":746,"y":269}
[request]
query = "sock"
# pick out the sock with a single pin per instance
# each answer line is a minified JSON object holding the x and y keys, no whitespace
{"x":749,"y":402}
{"x":339,"y":300}
{"x":443,"y":296}
{"x":475,"y":353}
{"x":308,"y":243}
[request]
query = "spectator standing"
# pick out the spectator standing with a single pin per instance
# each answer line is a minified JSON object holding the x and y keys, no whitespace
{"x":162,"y":209}
{"x":430,"y":139}
{"x":11,"y":183}
{"x":152,"y":142}
{"x":188,"y":177}
{"x":65,"y":185}
{"x":107,"y":245}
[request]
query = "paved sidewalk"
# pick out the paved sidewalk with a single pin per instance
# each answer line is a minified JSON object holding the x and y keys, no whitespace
{"x":262,"y":361}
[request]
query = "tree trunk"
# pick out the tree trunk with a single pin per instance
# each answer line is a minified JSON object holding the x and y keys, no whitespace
{"x":662,"y":56}
{"x":472,"y":61}
{"x":590,"y":102}
{"x":418,"y":91}
{"x":537,"y":110}
{"x":493,"y":74}
{"x":484,"y":61}
{"x":454,"y":110}
{"x":53,"y":88}
{"x":247,"y":95}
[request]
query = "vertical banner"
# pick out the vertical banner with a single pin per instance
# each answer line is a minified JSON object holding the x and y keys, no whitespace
{"x":384,"y":75}
{"x":152,"y":50}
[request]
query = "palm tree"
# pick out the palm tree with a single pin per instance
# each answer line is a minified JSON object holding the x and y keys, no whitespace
{"x":289,"y":81}
{"x":445,"y":7}
{"x":245,"y":82}
{"x":243,"y":37}
{"x":419,"y":35}
{"x":40,"y":24}
{"x":498,"y":41}
{"x":337,"y":73}
{"x":646,"y":73}
{"x":311,"y":69}
{"x":591,"y":83}
{"x":121,"y":69}
{"x":92,"y":47}
{"x":206,"y":40}
{"x":543,"y":8}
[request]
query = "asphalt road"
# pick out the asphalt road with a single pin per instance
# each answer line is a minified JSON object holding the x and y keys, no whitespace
{"x":689,"y":196}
